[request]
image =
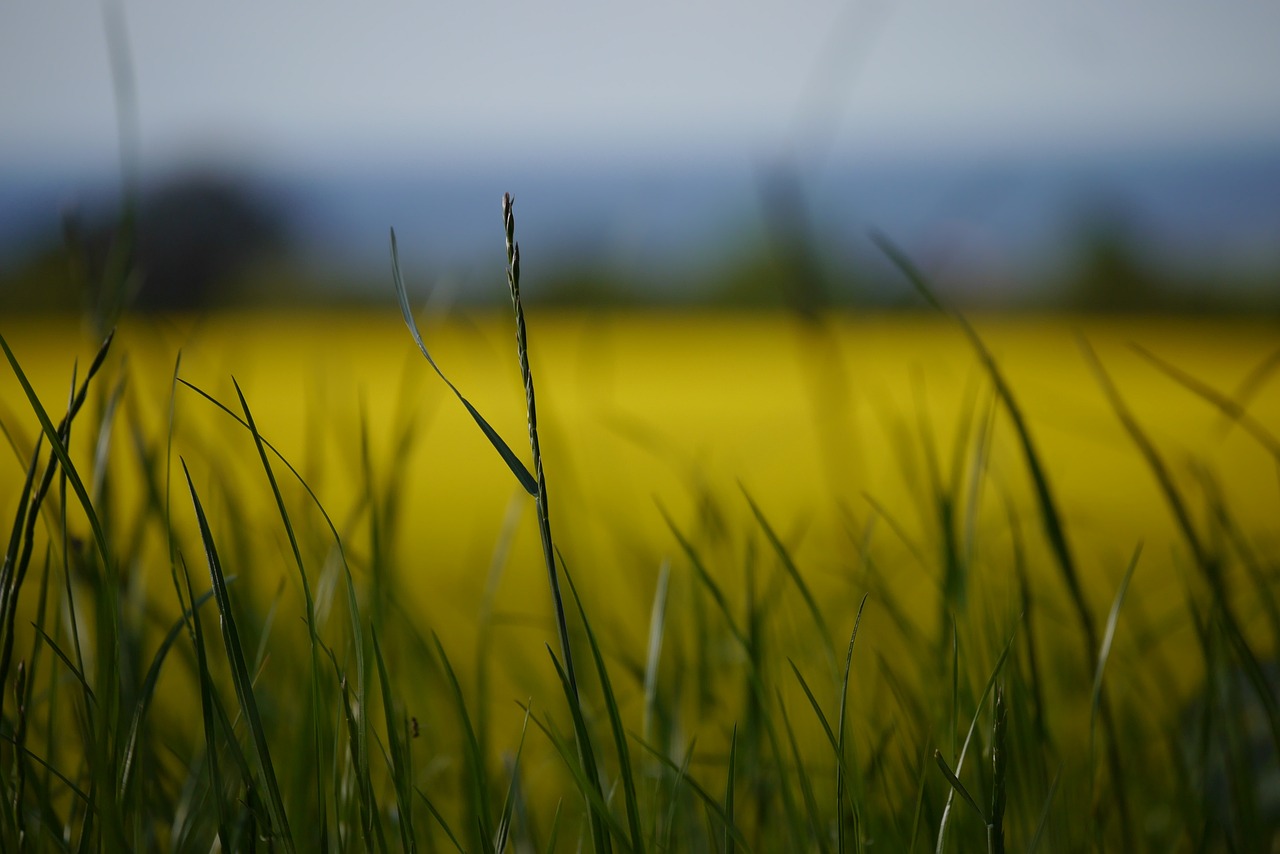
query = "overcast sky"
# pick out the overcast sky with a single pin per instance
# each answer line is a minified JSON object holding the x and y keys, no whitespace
{"x":323,"y":81}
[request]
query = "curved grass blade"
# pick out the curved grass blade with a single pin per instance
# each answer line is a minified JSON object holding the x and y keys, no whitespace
{"x":513,"y":462}
{"x":241,"y":678}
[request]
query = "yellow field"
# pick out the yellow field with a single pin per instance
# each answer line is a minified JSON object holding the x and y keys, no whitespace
{"x":648,"y":410}
{"x":854,"y":437}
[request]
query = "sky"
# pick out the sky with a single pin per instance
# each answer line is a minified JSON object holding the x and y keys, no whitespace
{"x":322,"y":83}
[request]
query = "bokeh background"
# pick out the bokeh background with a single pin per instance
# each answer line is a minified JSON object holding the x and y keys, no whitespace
{"x":1086,"y":156}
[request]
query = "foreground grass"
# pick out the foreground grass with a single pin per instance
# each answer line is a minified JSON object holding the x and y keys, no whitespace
{"x":233,"y":667}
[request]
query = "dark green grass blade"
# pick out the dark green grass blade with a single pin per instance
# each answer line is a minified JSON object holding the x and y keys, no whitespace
{"x":70,"y":665}
{"x":625,"y":771}
{"x":59,"y":448}
{"x":240,"y":676}
{"x":956,"y":785}
{"x":399,"y":755}
{"x":513,"y":462}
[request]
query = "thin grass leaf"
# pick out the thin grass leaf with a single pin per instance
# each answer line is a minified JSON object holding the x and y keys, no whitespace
{"x":240,"y":673}
{"x":973,"y":725}
{"x":794,"y":573}
{"x":625,"y":772}
{"x":440,"y":819}
{"x":1044,"y":813}
{"x":478,"y":796}
{"x":513,"y":462}
{"x":653,"y":656}
{"x":1108,"y":637}
{"x":728,"y":792}
{"x":957,"y":785}
{"x":568,"y":753}
{"x":399,"y":755}
{"x":205,"y":681}
{"x":148,"y":689}
{"x":509,"y":801}
{"x":840,"y":724}
{"x":817,"y":834}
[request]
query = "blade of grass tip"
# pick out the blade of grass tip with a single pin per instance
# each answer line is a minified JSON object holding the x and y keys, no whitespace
{"x":657,"y":630}
{"x":513,"y":462}
{"x":728,"y":792}
{"x":399,"y":755}
{"x":444,"y":825}
{"x":625,"y":772}
{"x":1044,"y":814}
{"x":840,"y":723}
{"x":683,"y":778}
{"x":956,"y":785}
{"x":240,"y":672}
{"x":60,"y":450}
{"x":554,"y":835}
{"x":509,"y":801}
{"x":973,"y":725}
{"x":794,"y":573}
{"x":1108,"y":637}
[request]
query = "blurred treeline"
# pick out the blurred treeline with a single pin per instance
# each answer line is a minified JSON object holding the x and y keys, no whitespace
{"x":208,"y":240}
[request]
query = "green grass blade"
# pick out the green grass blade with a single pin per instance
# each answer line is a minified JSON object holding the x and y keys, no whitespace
{"x":509,"y":801}
{"x":1108,"y":637}
{"x":806,"y":785}
{"x":729,"y":845}
{"x":478,"y":795}
{"x":625,"y":770}
{"x":207,"y":689}
{"x":794,"y":573}
{"x":513,"y":462}
{"x":240,"y":676}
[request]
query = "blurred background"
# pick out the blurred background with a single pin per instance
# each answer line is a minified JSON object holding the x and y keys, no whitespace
{"x":1089,"y":156}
